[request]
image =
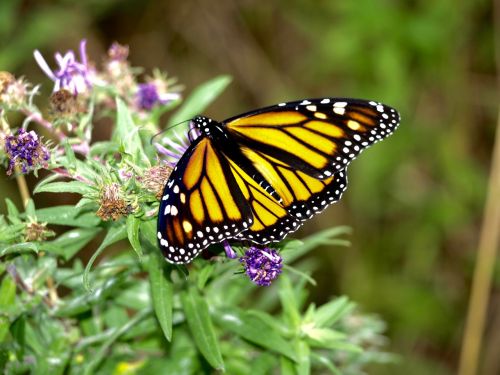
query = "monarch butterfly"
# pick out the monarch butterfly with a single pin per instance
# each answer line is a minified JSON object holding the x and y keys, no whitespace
{"x":259,"y":175}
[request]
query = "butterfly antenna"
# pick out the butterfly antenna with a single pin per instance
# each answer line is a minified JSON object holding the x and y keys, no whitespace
{"x":167,"y":128}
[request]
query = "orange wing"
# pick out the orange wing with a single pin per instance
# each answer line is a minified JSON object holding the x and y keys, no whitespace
{"x":201,"y":204}
{"x":318,"y":137}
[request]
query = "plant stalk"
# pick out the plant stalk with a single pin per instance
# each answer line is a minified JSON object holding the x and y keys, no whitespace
{"x":483,"y":271}
{"x":23,"y":188}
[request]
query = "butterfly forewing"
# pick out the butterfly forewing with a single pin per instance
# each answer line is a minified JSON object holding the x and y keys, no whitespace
{"x":317,"y":136}
{"x":201,"y":204}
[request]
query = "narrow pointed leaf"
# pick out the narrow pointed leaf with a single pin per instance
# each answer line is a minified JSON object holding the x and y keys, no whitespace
{"x":114,"y":234}
{"x":162,"y":292}
{"x":331,"y":312}
{"x":254,"y":329}
{"x":303,"y":365}
{"x":77,"y":187}
{"x":71,"y":242}
{"x":133,"y":224}
{"x":201,"y":327}
{"x":67,"y":215}
{"x":200,"y":99}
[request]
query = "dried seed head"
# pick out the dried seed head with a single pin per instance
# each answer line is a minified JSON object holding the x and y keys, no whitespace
{"x":64,"y":103}
{"x":112,"y":205}
{"x":37,"y":232}
{"x":12,"y":92}
{"x":155,"y":178}
{"x":6,"y":79}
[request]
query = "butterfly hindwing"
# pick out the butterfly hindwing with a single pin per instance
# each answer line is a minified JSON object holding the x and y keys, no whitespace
{"x":302,"y":196}
{"x":271,"y":220}
{"x":201,"y":204}
{"x":316,"y":136}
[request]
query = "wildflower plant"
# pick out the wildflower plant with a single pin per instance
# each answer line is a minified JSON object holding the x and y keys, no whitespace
{"x":126,"y":310}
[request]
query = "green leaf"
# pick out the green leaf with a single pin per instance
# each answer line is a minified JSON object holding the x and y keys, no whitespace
{"x":127,"y":134}
{"x":133,"y":224}
{"x":10,"y":233}
{"x":77,"y":187}
{"x":162,"y":293}
{"x":82,"y":302}
{"x":200,"y":99}
{"x":7,"y":292}
{"x":325,"y":361}
{"x":323,"y":337}
{"x":12,"y":212}
{"x":303,"y":365}
{"x":148,"y":232}
{"x":102,"y":351}
{"x":254,"y":329}
{"x":135,"y":296}
{"x":71,"y":242}
{"x":324,"y":237}
{"x":68,"y":215}
{"x":18,"y":332}
{"x":30,"y":208}
{"x":7,"y":298}
{"x":298,"y":272}
{"x":114,"y":234}
{"x":289,"y":303}
{"x":204,"y":275}
{"x":20,"y":248}
{"x":69,"y":159}
{"x":329,"y":313}
{"x":287,"y":367}
{"x":263,"y":364}
{"x":201,"y":327}
{"x":103,"y":148}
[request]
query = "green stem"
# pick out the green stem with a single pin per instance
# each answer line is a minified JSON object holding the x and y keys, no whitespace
{"x":23,"y":188}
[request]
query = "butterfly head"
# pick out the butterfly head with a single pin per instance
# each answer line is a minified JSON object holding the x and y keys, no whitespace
{"x":205,"y":126}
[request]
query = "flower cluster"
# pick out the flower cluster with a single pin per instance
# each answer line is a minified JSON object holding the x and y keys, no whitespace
{"x":262,"y":266}
{"x":119,"y":180}
{"x":25,"y":151}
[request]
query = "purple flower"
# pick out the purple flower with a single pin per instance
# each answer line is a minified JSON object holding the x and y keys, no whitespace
{"x":25,"y":150}
{"x":230,"y":253}
{"x":148,"y":96}
{"x":176,"y":148}
{"x":262,"y":266}
{"x":72,"y":75}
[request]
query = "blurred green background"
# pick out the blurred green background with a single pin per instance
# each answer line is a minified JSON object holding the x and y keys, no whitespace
{"x":414,"y":201}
